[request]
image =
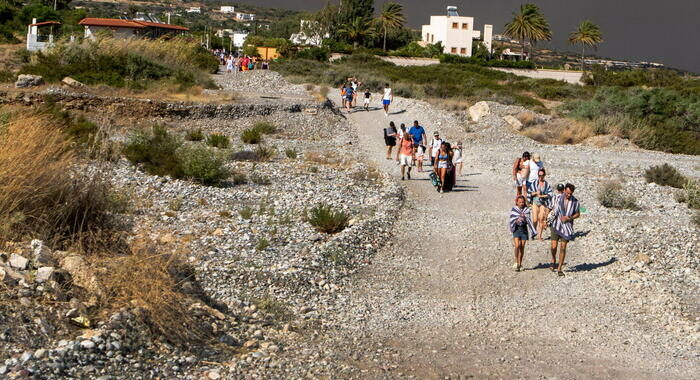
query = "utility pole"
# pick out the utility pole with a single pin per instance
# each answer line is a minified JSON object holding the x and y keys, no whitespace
{"x":168,"y":17}
{"x":54,"y":4}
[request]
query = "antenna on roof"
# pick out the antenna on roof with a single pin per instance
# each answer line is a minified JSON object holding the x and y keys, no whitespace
{"x":452,"y":11}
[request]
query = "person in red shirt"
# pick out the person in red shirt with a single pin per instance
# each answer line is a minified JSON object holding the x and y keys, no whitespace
{"x":404,"y":155}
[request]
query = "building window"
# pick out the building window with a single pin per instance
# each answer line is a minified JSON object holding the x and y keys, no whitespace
{"x":454,"y":50}
{"x":463,"y":51}
{"x":432,"y":38}
{"x":465,"y":26}
{"x":455,"y":25}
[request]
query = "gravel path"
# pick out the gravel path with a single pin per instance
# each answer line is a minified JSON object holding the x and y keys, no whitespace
{"x":440,"y":301}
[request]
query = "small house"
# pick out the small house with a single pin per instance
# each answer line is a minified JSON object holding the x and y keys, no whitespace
{"x":40,"y":35}
{"x":129,"y":28}
{"x":455,"y":32}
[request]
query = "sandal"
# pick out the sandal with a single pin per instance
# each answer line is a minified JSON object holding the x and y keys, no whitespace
{"x":560,"y":274}
{"x":552,"y":267}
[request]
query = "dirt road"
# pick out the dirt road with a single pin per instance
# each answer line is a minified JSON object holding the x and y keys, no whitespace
{"x":441,"y":300}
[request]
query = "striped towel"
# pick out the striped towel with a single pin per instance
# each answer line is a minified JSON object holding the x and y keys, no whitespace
{"x":565,"y":230}
{"x":518,"y":213}
{"x":546,"y":189}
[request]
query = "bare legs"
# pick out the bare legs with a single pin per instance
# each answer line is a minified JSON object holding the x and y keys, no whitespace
{"x":441,"y":172}
{"x":542,"y":221}
{"x":562,"y":255}
{"x":403,"y":170}
{"x":459,"y":168}
{"x":388,"y":152}
{"x":519,"y":251}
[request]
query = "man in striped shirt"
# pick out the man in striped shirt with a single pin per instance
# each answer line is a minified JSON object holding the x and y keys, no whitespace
{"x":566,"y":209}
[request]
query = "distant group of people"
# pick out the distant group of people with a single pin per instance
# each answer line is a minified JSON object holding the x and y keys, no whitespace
{"x":349,"y":94}
{"x":446,"y":160}
{"x":245,"y":63}
{"x":538,"y":207}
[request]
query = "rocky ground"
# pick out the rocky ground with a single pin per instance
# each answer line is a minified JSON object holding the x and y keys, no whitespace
{"x":418,"y":286}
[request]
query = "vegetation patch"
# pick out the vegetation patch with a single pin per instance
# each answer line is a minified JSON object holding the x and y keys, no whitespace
{"x":611,"y":195}
{"x":665,"y":175}
{"x":218,"y":141}
{"x":328,"y":220}
{"x":194,"y":135}
{"x":251,"y":136}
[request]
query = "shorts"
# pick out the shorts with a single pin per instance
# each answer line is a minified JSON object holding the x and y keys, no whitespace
{"x":366,"y":101}
{"x":521,"y":233}
{"x":556,"y":237}
{"x":539,"y":201}
{"x":348,"y":98}
{"x":390,"y":141}
{"x":386,"y":102}
{"x":443,"y":165}
{"x":520,"y":181}
{"x":405,"y":160}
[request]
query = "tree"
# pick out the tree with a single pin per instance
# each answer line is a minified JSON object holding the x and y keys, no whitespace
{"x":328,"y":18}
{"x":350,"y":10}
{"x":587,"y":34}
{"x":358,"y":31}
{"x":530,"y":25}
{"x":391,"y":19}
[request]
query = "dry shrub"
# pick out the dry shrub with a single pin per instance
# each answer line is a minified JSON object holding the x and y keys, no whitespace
{"x":41,"y":195}
{"x":154,"y":282}
{"x":560,"y":132}
{"x":527,"y":118}
{"x":328,"y":159}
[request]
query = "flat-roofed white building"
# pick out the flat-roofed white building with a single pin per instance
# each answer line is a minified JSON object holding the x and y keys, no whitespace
{"x":455,"y":32}
{"x":245,"y":16}
{"x":228,"y":9}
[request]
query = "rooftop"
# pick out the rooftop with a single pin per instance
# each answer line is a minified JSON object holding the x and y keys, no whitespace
{"x":117,"y":23}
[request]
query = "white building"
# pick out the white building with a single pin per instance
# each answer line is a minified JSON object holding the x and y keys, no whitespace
{"x":40,"y":41}
{"x":239,"y":39}
{"x":228,"y":9}
{"x":455,"y":32}
{"x":309,"y":34}
{"x":245,"y":16}
{"x":194,"y":10}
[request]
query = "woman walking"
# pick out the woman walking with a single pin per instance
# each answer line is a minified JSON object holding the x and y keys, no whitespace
{"x":521,"y":226}
{"x":229,"y":64}
{"x":458,"y":158}
{"x":443,"y":162}
{"x":540,"y":193}
{"x":390,"y":138}
{"x":521,"y":171}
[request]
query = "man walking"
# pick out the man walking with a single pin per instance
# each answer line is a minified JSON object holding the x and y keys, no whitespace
{"x":404,"y":155}
{"x":349,"y":96}
{"x":566,"y":209}
{"x":387,"y":99}
{"x":434,"y":147}
{"x":419,"y":137}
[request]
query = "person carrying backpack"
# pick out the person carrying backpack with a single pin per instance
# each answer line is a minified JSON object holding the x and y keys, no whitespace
{"x":434,"y":147}
{"x":390,"y":138}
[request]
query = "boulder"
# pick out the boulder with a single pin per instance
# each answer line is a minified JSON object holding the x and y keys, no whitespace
{"x":513,"y":122}
{"x":479,"y":110}
{"x":25,"y":80}
{"x":44,"y":274}
{"x":9,"y":276}
{"x":18,"y":262}
{"x":70,"y":82}
{"x":80,"y":272}
{"x":41,"y":254}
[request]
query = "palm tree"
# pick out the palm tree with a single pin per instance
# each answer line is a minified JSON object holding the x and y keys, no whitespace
{"x":587,"y":34}
{"x":530,"y":25}
{"x":357,"y":31}
{"x":391,"y":18}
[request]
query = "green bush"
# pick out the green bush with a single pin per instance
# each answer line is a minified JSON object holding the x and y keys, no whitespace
{"x":265,"y":127}
{"x":246,"y":213}
{"x":218,"y":141}
{"x":692,"y":193}
{"x":291,"y":153}
{"x":314,"y":54}
{"x":239,"y":179}
{"x":194,"y":135}
{"x":7,"y":76}
{"x":458,"y":59}
{"x":611,"y":195}
{"x":665,"y":175}
{"x":325,"y":219}
{"x":251,"y":136}
{"x":202,"y":165}
{"x":156,"y":151}
{"x":262,"y":245}
{"x":599,"y":76}
{"x":263,"y":153}
{"x":696,"y":219}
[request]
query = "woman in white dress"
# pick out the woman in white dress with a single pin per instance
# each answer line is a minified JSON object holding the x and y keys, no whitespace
{"x":458,"y":157}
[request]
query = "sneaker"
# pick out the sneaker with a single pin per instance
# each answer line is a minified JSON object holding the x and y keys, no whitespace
{"x":403,"y":179}
{"x":409,"y":175}
{"x":515,"y":267}
{"x":441,"y":191}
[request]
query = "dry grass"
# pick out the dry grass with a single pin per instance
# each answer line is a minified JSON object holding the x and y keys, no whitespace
{"x":527,"y":118}
{"x":560,"y":132}
{"x":41,"y":195}
{"x":455,"y":104}
{"x":153,"y":282}
{"x":328,"y":159}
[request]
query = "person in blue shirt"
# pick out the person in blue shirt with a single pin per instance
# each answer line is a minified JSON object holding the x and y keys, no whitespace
{"x":418,"y":134}
{"x":349,"y":96}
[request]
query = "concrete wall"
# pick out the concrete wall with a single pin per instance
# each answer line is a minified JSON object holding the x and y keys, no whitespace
{"x":90,"y":31}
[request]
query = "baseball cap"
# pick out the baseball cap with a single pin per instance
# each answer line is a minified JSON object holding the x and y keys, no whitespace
{"x":560,"y":187}
{"x":436,"y":133}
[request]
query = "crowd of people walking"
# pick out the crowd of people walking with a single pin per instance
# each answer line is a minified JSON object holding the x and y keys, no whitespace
{"x":236,"y":63}
{"x":537,"y":208}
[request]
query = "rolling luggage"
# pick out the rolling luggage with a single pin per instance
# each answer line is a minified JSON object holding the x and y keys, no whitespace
{"x":450,"y":179}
